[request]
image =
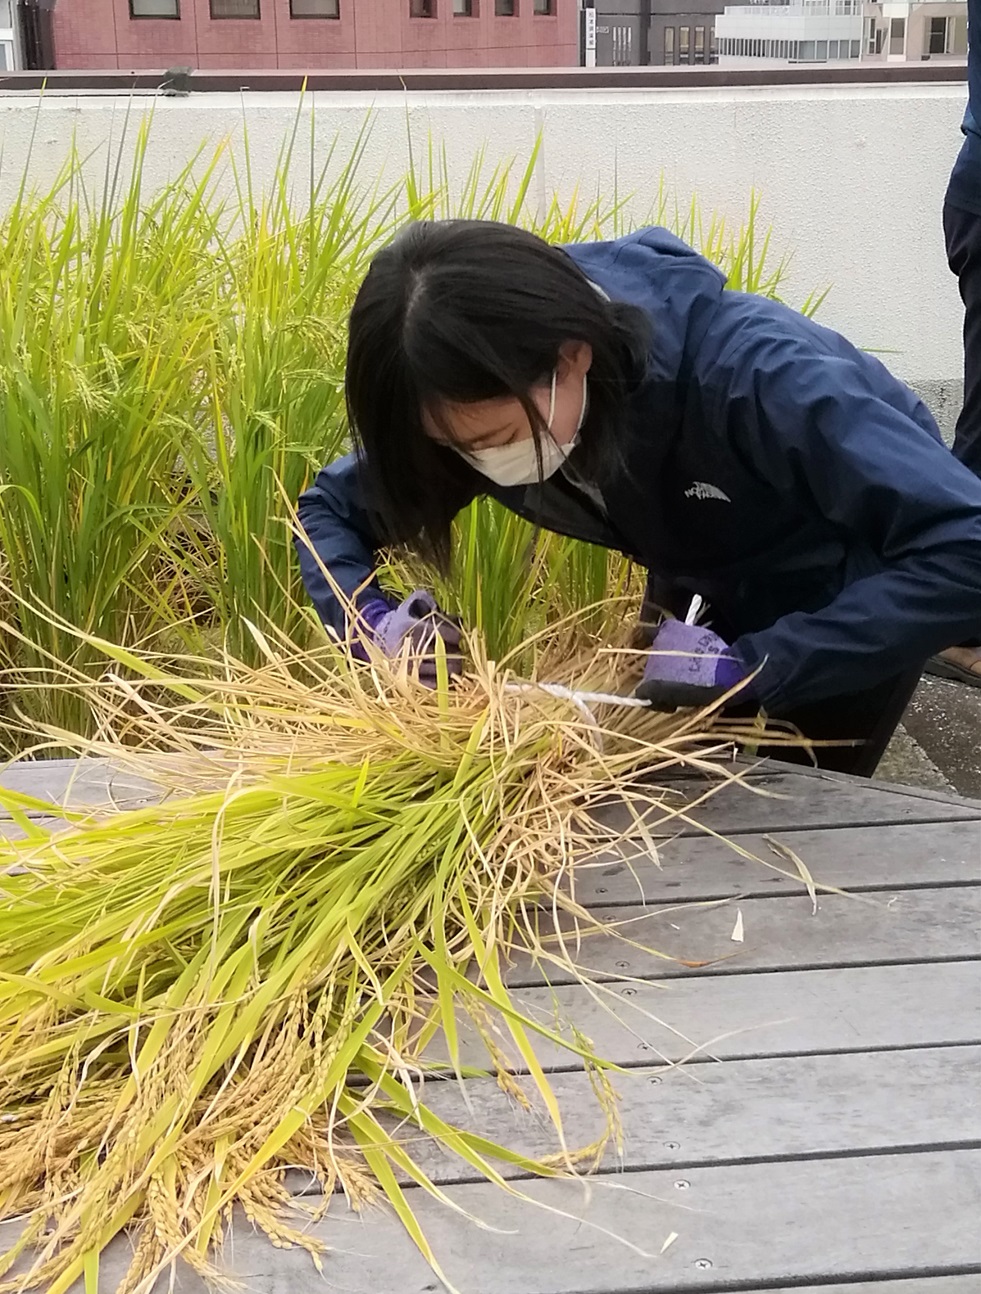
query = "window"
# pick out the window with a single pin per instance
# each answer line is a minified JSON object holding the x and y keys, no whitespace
{"x":545,"y":8}
{"x":315,"y":8}
{"x":669,"y":47}
{"x":806,"y":51}
{"x":506,"y":8}
{"x":897,"y":36}
{"x":154,"y":8}
{"x":856,"y":50}
{"x":699,"y":44}
{"x":870,"y":37}
{"x":833,"y":51}
{"x":938,"y":36}
{"x":464,"y":8}
{"x":822,"y":51}
{"x":421,"y":8}
{"x":6,"y":56}
{"x":235,"y":8}
{"x":684,"y":36}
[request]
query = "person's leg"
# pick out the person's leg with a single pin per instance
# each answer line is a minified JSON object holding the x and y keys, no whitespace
{"x":962,"y":234}
{"x":869,"y":718}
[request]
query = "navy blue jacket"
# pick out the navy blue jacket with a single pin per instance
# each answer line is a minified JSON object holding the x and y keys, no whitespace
{"x":770,"y":466}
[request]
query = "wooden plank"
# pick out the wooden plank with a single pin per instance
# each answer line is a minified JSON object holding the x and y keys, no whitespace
{"x":853,"y":858}
{"x":778,"y":934}
{"x":781,"y":802}
{"x":744,"y":1016}
{"x":11,"y":831}
{"x":922,"y":1285}
{"x":79,"y":783}
{"x":736,"y":1111}
{"x":817,"y":1221}
{"x":755,"y":769}
{"x":901,"y":788}
{"x":790,"y":801}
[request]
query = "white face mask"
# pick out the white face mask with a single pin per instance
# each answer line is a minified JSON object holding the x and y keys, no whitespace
{"x":517,"y":464}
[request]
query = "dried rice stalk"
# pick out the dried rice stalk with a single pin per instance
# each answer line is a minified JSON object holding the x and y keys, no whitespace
{"x":197,"y":994}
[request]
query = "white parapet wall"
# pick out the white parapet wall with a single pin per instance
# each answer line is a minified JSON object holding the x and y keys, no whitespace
{"x":851,"y":178}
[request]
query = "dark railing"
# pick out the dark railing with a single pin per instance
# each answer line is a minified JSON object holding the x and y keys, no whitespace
{"x":186,"y":81}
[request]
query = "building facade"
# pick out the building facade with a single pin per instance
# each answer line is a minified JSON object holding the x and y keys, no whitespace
{"x":841,"y":31}
{"x":903,"y":33}
{"x":805,"y":31}
{"x":9,"y":44}
{"x":683,"y":32}
{"x":641,"y":33}
{"x":314,"y":34}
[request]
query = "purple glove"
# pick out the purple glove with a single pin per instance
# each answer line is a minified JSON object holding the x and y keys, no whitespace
{"x":417,"y":619}
{"x":706,"y":670}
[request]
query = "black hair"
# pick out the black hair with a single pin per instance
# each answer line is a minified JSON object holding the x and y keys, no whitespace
{"x":459,"y":311}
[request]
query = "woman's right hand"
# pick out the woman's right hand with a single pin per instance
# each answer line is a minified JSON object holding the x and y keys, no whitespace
{"x":415,"y":622}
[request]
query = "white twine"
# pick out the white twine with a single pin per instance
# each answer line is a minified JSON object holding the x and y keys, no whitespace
{"x":581,"y":700}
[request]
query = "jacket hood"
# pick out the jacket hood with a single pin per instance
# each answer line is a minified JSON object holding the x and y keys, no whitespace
{"x":677,"y":289}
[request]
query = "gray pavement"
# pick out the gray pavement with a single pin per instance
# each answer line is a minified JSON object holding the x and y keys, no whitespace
{"x":939,"y":743}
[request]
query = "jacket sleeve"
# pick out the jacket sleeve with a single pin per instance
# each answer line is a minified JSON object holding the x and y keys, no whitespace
{"x":343,"y":534}
{"x":340,"y":531}
{"x":821,"y":424}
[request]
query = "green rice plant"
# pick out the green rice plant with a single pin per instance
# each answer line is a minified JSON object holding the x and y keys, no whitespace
{"x":500,"y":600}
{"x":196,"y":995}
{"x":104,"y":330}
{"x":171,"y":370}
{"x":590,"y":582}
{"x":287,"y":273}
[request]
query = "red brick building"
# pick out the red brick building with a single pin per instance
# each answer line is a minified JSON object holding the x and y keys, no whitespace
{"x":310,"y":34}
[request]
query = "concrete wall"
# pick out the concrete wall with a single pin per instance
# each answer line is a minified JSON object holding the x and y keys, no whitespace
{"x":850,"y":177}
{"x":368,"y":33}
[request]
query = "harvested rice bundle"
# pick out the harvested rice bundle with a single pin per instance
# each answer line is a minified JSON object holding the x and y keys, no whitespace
{"x":198,"y":993}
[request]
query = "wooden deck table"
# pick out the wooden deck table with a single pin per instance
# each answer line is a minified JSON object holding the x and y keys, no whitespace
{"x":825,"y":1132}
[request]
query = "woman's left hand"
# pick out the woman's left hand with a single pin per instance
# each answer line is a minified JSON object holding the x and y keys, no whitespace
{"x":688,"y":665}
{"x":414,"y":626}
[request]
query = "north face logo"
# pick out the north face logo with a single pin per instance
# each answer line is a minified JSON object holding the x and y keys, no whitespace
{"x":702,"y":490}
